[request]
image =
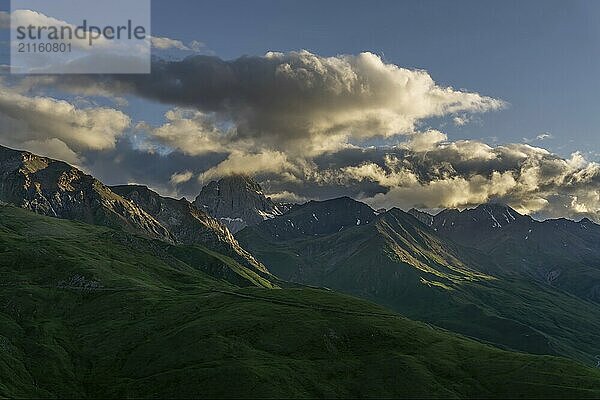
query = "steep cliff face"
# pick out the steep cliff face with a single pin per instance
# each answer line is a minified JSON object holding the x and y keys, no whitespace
{"x":237,"y":201}
{"x":56,"y":189}
{"x":188,"y":224}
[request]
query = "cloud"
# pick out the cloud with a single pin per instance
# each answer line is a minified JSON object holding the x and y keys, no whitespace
{"x":466,"y":173}
{"x":426,"y":140}
{"x":54,"y":148}
{"x":181,"y":177}
{"x":188,"y":131}
{"x":299,"y":102}
{"x":57,"y":127}
{"x":287,"y":197}
{"x":454,"y":191}
{"x":267,"y":162}
{"x":461,"y":120}
{"x":446,"y":174}
{"x":543,"y":136}
{"x":30,"y":84}
{"x":165,"y":43}
{"x":197,"y":46}
{"x":127,"y":163}
{"x":302,"y":123}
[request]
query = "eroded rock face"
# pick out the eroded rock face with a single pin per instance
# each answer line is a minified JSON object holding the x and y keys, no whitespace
{"x":188,"y":224}
{"x":56,"y":189}
{"x":237,"y":201}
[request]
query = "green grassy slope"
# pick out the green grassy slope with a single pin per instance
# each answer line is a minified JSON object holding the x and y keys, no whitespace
{"x":402,"y":264}
{"x":46,"y":251}
{"x":90,"y":312}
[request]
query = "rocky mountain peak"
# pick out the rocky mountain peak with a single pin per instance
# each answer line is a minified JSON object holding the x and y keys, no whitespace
{"x":243,"y":182}
{"x":237,"y":201}
{"x":188,"y":224}
{"x":57,"y":189}
{"x":497,"y":215}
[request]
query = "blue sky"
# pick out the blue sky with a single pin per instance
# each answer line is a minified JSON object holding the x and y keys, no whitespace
{"x":542,"y":57}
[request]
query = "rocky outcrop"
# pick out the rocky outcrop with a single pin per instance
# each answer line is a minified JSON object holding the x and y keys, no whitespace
{"x":237,"y":201}
{"x":188,"y":224}
{"x":56,"y":189}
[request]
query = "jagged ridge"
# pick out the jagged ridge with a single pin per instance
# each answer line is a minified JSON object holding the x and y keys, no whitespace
{"x":237,"y":201}
{"x":188,"y":224}
{"x":56,"y":189}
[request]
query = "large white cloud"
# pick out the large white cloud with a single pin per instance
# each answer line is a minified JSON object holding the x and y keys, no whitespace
{"x":181,"y":177}
{"x":266,"y":162}
{"x":297,"y":102}
{"x":165,"y":43}
{"x":57,"y":127}
{"x":465,"y":173}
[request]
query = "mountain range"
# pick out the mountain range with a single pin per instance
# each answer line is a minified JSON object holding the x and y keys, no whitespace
{"x":117,"y":291}
{"x":187,"y":224}
{"x":561,"y":253}
{"x":419,"y":270}
{"x":56,"y":189}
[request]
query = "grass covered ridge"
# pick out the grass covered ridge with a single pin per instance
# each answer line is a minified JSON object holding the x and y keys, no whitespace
{"x":87,"y":311}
